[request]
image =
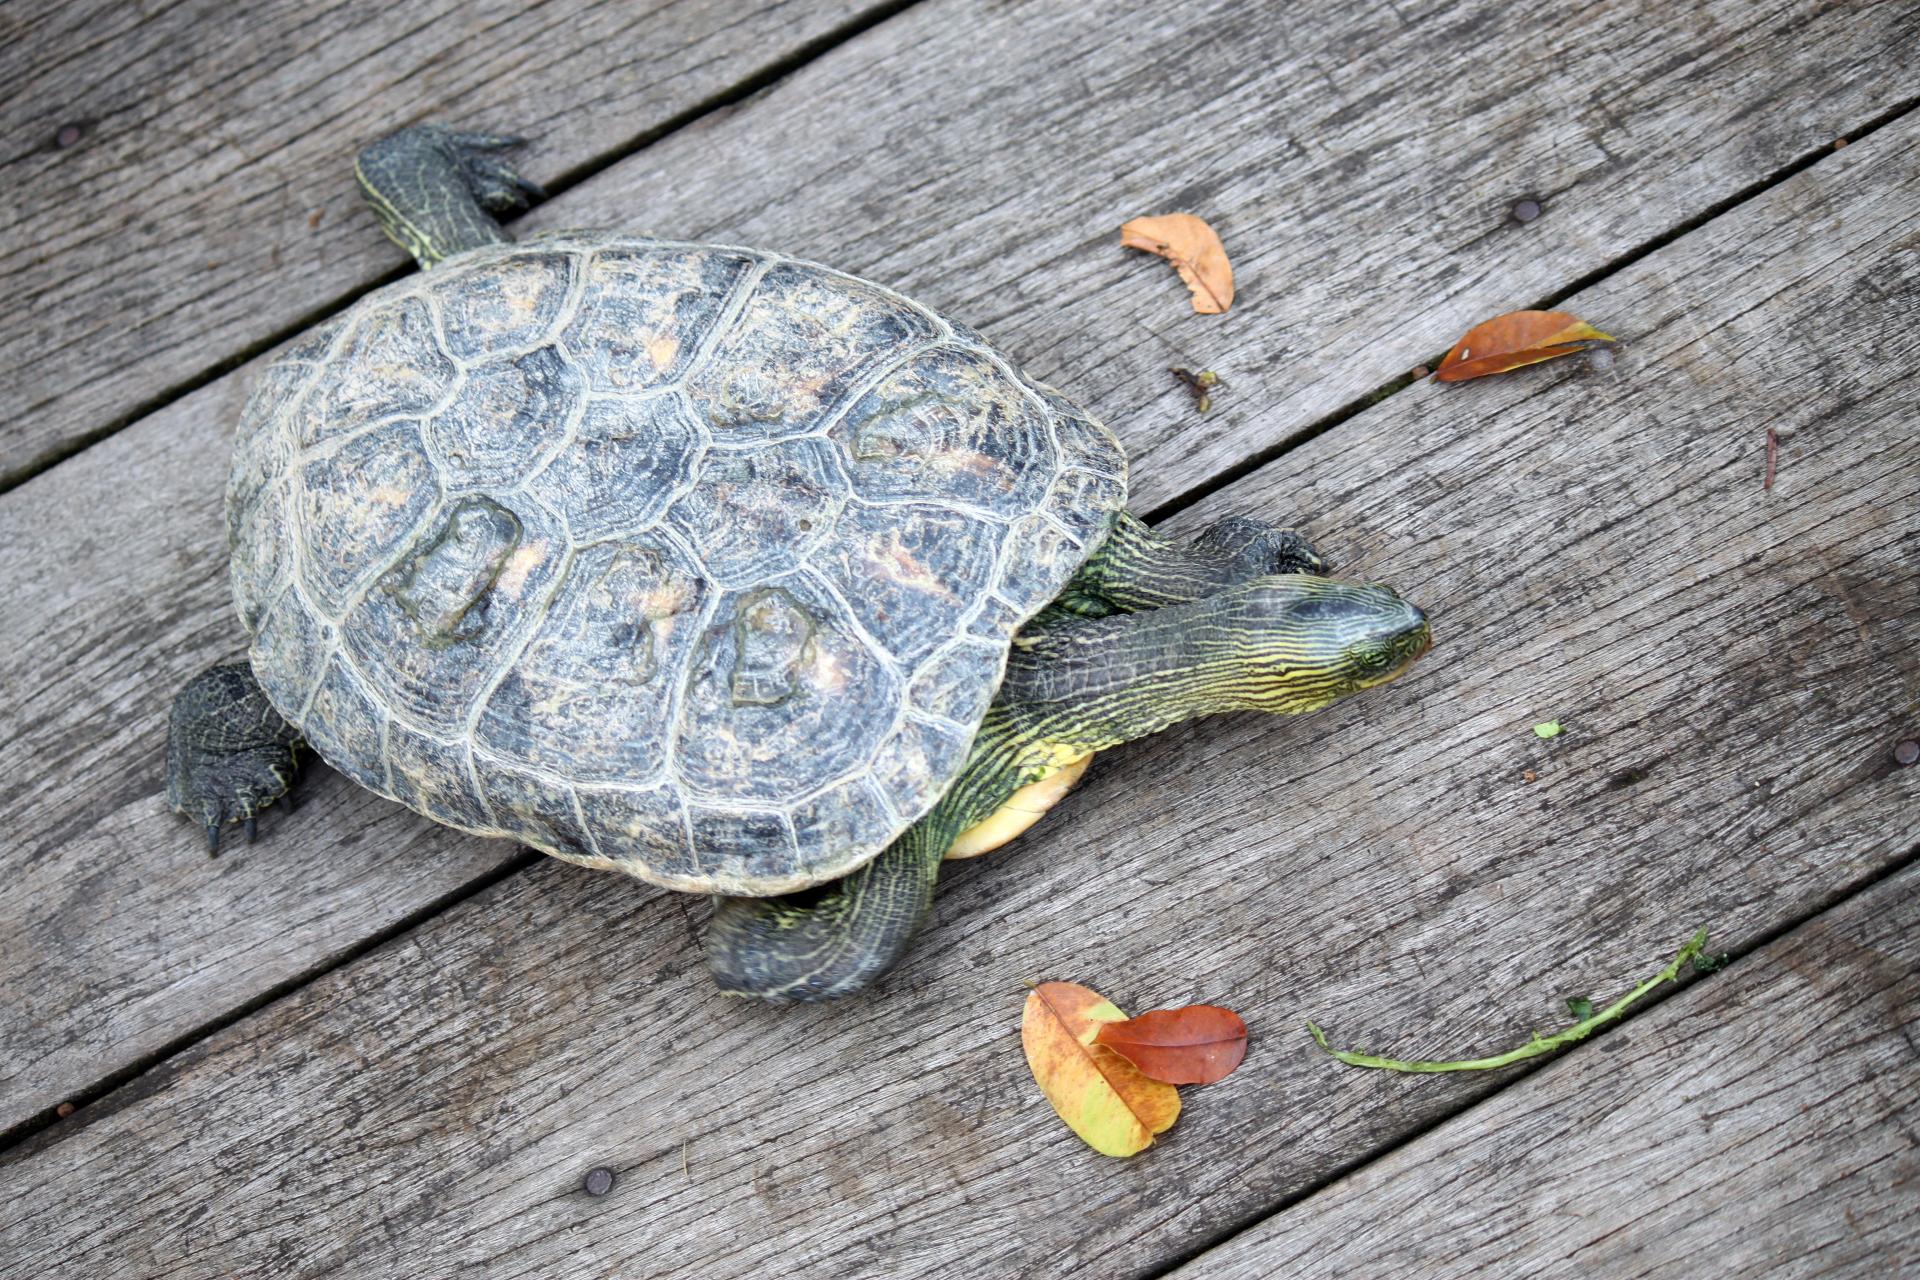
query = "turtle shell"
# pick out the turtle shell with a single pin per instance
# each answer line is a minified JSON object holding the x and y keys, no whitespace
{"x":695,"y":562}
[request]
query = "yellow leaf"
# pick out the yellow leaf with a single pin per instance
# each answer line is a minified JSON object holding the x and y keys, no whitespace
{"x":1195,"y":252}
{"x":1102,"y":1097}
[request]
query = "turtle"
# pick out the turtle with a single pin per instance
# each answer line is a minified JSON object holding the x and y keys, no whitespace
{"x":716,"y":567}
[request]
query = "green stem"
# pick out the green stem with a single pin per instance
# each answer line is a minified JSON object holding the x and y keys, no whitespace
{"x":1539,"y":1044}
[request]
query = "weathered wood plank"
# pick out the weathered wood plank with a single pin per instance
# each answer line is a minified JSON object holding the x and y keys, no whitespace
{"x":1733,"y":666}
{"x":1761,"y":1125}
{"x":1361,"y":164}
{"x":209,"y":198}
{"x":116,"y":936}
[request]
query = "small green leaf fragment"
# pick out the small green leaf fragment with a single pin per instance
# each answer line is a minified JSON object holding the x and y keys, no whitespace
{"x":1581,"y":1008}
{"x":1547,"y":729}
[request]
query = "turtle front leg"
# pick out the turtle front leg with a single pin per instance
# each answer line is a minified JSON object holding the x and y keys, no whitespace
{"x":435,"y":189}
{"x":229,"y":753}
{"x":1137,"y":568}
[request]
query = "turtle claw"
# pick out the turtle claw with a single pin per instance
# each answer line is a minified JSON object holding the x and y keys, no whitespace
{"x":496,"y":186}
{"x":229,"y":753}
{"x":1261,"y":548}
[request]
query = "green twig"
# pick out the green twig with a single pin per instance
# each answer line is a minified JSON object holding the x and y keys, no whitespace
{"x":1695,"y":950}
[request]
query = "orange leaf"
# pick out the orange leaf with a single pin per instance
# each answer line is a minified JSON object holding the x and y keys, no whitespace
{"x":1199,"y":1044}
{"x":1515,"y":339}
{"x":1195,"y":252}
{"x":1100,"y":1095}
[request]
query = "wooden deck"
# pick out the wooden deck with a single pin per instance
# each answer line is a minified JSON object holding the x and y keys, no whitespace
{"x":369,"y":1046}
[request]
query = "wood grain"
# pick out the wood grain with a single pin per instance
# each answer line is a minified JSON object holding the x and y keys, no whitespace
{"x":119,"y":940}
{"x":1759,"y":1127}
{"x":1732,"y":666}
{"x":208,"y":199}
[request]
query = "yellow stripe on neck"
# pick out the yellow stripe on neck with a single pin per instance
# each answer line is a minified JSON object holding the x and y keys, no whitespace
{"x":1025,"y":806}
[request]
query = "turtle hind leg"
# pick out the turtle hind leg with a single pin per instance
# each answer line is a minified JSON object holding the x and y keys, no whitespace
{"x":229,"y":753}
{"x":1138,"y":568}
{"x":435,"y":189}
{"x":832,"y":940}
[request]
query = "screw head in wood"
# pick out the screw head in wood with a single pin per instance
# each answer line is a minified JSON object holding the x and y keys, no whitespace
{"x":1907,"y":752}
{"x":598,"y":1181}
{"x":1525,"y":209}
{"x":68,"y":135}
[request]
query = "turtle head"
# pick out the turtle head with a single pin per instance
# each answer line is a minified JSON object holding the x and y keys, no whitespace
{"x":1304,"y":641}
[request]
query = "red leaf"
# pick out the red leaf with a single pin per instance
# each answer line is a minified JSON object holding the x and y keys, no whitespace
{"x":1515,"y":339}
{"x":1199,"y":1044}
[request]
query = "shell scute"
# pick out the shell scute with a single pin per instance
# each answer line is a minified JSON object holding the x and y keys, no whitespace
{"x":645,"y":311}
{"x":358,"y":504}
{"x":348,"y":725}
{"x":753,"y":514}
{"x":801,"y":344}
{"x":908,"y":571}
{"x":290,"y":651}
{"x":508,"y":414}
{"x":782,"y":693}
{"x":631,"y":457}
{"x":390,"y":364}
{"x":530,"y":808}
{"x":429,"y":631}
{"x":431,"y":776}
{"x":754,"y":844}
{"x":590,"y":696}
{"x":512,"y":303}
{"x":949,"y":426}
{"x":642,"y":827}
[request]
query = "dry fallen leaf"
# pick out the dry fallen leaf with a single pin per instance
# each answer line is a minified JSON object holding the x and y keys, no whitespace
{"x":1199,"y":1044}
{"x":1104,"y":1098}
{"x":1515,"y":339}
{"x":1195,"y":252}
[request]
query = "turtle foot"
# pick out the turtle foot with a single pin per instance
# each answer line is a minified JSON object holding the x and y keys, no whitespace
{"x":229,"y":753}
{"x":437,"y":191}
{"x":496,"y":185}
{"x":1259,"y":547}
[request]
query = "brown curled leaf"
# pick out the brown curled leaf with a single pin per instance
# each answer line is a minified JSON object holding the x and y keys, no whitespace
{"x":1195,"y":252}
{"x":1199,"y":1044}
{"x":1516,"y":339}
